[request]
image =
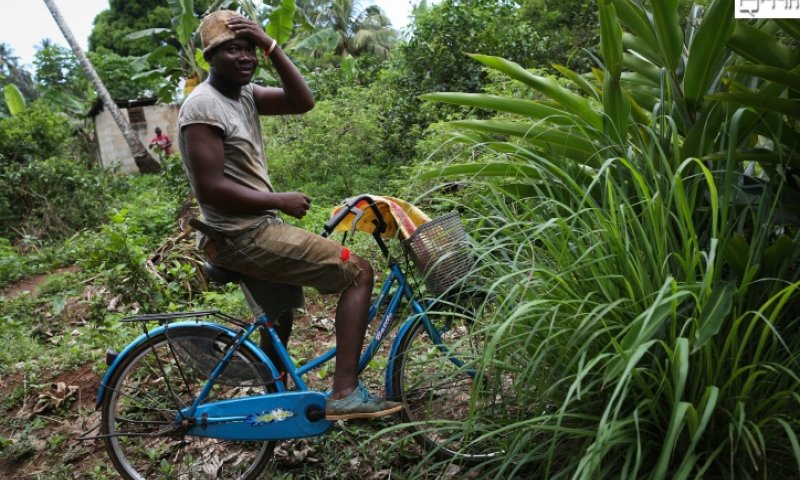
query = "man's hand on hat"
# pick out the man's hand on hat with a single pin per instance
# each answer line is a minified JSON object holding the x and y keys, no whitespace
{"x":246,"y":28}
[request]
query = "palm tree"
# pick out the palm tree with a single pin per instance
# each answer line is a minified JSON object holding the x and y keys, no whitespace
{"x":144,"y":161}
{"x":360,"y":31}
{"x":11,"y":72}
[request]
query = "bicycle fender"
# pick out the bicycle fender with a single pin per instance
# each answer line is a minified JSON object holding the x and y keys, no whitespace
{"x":156,"y":331}
{"x":272,"y":416}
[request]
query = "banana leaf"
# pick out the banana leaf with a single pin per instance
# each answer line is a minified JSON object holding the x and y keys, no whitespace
{"x":146,"y":33}
{"x":14,"y":99}
{"x":281,"y":21}
{"x":325,"y":40}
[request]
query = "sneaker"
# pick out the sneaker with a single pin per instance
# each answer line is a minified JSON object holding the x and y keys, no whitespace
{"x":360,"y":404}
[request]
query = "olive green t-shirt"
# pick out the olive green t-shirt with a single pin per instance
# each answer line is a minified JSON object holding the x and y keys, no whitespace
{"x":245,"y":162}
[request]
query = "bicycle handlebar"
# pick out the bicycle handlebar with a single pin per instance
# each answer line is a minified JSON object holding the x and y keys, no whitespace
{"x":349,"y":206}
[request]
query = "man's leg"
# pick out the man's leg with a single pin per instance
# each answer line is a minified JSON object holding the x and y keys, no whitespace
{"x":290,"y":255}
{"x":348,"y":399}
{"x":351,"y":328}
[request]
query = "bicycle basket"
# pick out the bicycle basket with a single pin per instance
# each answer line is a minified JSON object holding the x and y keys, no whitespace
{"x":440,"y":252}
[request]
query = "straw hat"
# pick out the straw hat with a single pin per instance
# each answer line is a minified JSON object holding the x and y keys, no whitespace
{"x":214,"y":29}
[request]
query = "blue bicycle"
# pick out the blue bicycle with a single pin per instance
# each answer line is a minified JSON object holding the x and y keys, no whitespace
{"x":195,"y":397}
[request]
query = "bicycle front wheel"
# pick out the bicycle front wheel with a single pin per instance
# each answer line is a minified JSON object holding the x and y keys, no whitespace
{"x":447,"y":393}
{"x":144,"y":435}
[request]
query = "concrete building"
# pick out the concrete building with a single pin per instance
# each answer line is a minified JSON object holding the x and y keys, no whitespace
{"x":144,"y":115}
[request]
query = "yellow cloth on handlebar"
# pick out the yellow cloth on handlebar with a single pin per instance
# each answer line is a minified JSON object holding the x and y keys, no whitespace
{"x":401,"y":217}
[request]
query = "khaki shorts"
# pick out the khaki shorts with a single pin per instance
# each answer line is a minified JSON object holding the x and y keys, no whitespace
{"x":284,"y":254}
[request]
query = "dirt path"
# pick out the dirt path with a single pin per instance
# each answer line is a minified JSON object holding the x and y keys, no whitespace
{"x":31,"y":284}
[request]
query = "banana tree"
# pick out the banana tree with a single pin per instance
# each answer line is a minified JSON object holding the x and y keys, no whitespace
{"x":177,"y":60}
{"x":182,"y":59}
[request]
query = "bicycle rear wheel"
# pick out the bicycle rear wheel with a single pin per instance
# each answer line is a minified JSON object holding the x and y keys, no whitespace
{"x":448,"y":394}
{"x":145,"y":439}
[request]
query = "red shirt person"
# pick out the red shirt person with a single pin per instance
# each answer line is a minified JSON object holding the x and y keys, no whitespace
{"x":162,"y":141}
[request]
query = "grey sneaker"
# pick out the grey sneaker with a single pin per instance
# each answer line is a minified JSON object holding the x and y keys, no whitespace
{"x":360,"y":404}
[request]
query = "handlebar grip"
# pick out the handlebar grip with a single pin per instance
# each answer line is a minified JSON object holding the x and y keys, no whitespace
{"x":346,"y":210}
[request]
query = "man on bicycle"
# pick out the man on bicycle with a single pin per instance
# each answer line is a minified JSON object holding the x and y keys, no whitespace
{"x":222,"y":149}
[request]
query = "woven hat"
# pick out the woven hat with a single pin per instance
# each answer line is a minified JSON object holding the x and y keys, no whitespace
{"x":214,"y":29}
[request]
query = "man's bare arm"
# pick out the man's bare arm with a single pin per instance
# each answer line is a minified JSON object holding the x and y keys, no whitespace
{"x":207,"y":161}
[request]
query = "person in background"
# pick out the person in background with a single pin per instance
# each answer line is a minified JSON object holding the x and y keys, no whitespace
{"x":162,"y":142}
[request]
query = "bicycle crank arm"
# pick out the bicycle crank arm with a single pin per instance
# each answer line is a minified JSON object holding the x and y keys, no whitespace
{"x":274,"y":416}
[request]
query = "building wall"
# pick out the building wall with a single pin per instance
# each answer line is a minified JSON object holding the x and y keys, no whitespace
{"x":114,"y":151}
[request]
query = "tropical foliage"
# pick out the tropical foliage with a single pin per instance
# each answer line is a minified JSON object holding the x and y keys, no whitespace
{"x":634,"y":208}
{"x":12,"y":73}
{"x":649,"y":267}
{"x":432,"y":60}
{"x":351,"y":162}
{"x":123,"y":17}
{"x":356,"y":30}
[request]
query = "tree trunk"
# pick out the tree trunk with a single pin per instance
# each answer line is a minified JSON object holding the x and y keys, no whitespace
{"x":143,"y":159}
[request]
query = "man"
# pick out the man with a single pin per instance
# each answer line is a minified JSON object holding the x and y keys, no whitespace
{"x":221,"y":145}
{"x":163,"y":142}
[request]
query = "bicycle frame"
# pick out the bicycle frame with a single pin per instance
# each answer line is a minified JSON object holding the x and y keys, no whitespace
{"x":289,"y":414}
{"x":227,"y":419}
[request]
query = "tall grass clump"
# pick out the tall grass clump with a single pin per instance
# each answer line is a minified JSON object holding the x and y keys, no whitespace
{"x":640,"y":239}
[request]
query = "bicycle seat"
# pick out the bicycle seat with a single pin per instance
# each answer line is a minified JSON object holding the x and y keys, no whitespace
{"x":220,"y":275}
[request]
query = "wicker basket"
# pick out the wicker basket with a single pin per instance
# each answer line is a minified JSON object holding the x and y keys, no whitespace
{"x":440,"y":251}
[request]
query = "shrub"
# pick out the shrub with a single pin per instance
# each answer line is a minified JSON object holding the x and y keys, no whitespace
{"x":330,"y":153}
{"x":35,"y":134}
{"x":119,"y":252}
{"x":434,"y":60}
{"x":53,"y":197}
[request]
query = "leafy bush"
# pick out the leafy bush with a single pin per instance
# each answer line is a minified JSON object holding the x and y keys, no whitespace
{"x":120,"y":250}
{"x":35,"y":134}
{"x":174,"y":176}
{"x":337,"y":73}
{"x":31,"y":257}
{"x":434,"y":60}
{"x":330,"y":153}
{"x":53,"y":197}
